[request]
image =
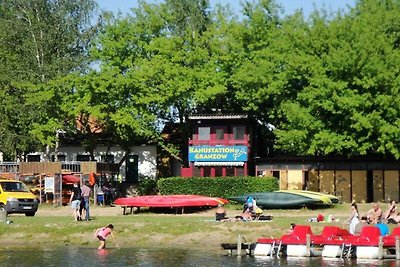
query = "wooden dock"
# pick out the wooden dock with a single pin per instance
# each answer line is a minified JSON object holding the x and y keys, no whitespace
{"x":241,"y":248}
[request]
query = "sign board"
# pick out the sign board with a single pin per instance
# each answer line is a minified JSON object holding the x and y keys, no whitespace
{"x":49,"y":184}
{"x":217,"y":153}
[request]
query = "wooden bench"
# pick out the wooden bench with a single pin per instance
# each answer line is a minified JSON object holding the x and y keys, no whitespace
{"x":130,"y":208}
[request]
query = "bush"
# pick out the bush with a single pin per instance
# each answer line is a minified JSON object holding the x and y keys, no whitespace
{"x":147,"y":186}
{"x":217,"y":187}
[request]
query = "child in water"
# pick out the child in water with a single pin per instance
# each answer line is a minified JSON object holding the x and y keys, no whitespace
{"x":102,"y":234}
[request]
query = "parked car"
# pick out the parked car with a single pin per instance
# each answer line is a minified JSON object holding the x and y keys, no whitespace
{"x":15,"y":197}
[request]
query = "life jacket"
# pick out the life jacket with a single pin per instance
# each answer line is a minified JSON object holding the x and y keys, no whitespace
{"x":92,"y":179}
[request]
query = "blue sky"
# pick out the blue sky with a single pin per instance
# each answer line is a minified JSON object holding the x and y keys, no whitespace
{"x":289,"y":5}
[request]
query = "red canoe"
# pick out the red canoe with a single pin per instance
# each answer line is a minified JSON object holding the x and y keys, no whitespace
{"x":170,"y":201}
{"x":70,"y":179}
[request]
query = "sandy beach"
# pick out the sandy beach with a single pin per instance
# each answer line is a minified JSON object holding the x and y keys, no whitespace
{"x":199,"y":230}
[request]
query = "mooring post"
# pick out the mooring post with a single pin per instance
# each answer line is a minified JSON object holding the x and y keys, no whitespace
{"x":397,"y":248}
{"x":3,"y":215}
{"x":239,"y":245}
{"x":380,"y":248}
{"x":308,"y":246}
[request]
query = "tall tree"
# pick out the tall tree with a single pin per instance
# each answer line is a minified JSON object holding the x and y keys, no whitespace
{"x":326,"y":84}
{"x":156,"y":57}
{"x":40,"y":40}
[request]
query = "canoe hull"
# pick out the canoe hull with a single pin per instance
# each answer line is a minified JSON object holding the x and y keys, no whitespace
{"x":170,"y":201}
{"x":280,"y":200}
{"x":323,"y":196}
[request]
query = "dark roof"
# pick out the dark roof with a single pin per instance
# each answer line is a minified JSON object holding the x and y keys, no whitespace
{"x":217,"y":116}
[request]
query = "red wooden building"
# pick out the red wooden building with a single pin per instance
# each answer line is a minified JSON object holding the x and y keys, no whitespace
{"x":219,"y":146}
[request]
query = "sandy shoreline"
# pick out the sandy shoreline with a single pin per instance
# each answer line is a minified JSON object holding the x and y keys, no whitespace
{"x":55,"y":226}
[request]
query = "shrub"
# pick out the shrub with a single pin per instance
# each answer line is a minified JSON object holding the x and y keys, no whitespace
{"x":147,"y":186}
{"x":218,"y":186}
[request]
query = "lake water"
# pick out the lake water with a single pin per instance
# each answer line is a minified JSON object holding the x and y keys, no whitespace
{"x":75,"y":256}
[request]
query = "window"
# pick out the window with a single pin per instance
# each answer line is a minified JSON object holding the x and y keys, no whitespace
{"x":107,"y":158}
{"x":83,"y":157}
{"x":230,"y":171}
{"x":61,"y":157}
{"x":196,"y":172}
{"x":218,"y":171}
{"x":219,"y":134}
{"x":204,"y":133}
{"x":206,"y":171}
{"x":239,"y":171}
{"x":33,"y":158}
{"x":14,"y":187}
{"x":238,"y":132}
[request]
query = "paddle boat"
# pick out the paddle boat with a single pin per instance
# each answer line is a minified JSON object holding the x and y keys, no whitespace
{"x":302,"y":242}
{"x":333,"y":242}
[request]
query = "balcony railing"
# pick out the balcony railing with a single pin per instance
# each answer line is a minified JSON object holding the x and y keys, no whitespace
{"x":219,"y":142}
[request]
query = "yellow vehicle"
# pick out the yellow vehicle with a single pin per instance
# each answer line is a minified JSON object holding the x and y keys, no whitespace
{"x":15,"y":197}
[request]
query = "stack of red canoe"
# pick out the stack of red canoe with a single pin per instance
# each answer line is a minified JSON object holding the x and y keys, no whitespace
{"x":171,"y":201}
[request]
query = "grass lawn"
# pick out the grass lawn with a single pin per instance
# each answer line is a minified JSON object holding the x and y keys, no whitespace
{"x":55,"y":226}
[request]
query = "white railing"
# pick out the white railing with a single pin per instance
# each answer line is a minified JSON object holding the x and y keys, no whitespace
{"x":9,"y":167}
{"x":72,"y":166}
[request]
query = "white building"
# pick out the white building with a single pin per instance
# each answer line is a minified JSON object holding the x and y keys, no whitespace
{"x":142,"y":159}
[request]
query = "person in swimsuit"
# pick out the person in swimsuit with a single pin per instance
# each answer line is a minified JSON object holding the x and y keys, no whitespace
{"x":102,"y":234}
{"x":291,"y":228}
{"x":220,"y":213}
{"x":374,"y":215}
{"x":353,"y":219}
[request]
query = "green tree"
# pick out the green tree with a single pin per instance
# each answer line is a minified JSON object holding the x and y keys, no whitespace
{"x":326,"y":84}
{"x":40,"y":40}
{"x":156,"y":58}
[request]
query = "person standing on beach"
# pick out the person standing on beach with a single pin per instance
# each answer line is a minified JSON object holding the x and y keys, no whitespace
{"x":75,"y":201}
{"x":85,"y":201}
{"x":102,"y":233}
{"x":354,"y":218}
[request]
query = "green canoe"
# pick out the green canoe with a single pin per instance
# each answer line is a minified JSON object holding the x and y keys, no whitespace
{"x":283,"y":200}
{"x":333,"y":199}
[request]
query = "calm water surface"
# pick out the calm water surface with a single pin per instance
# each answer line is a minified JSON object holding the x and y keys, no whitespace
{"x":75,"y":256}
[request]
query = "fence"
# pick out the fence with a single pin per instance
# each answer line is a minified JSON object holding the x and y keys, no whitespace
{"x":51,"y":168}
{"x":9,"y":167}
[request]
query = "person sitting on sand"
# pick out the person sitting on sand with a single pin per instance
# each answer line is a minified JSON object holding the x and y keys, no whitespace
{"x":394,"y":219}
{"x":292,"y":225}
{"x":374,"y":215}
{"x":220,"y":213}
{"x":248,"y":205}
{"x":247,"y":216}
{"x":244,"y":217}
{"x":391,"y":213}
